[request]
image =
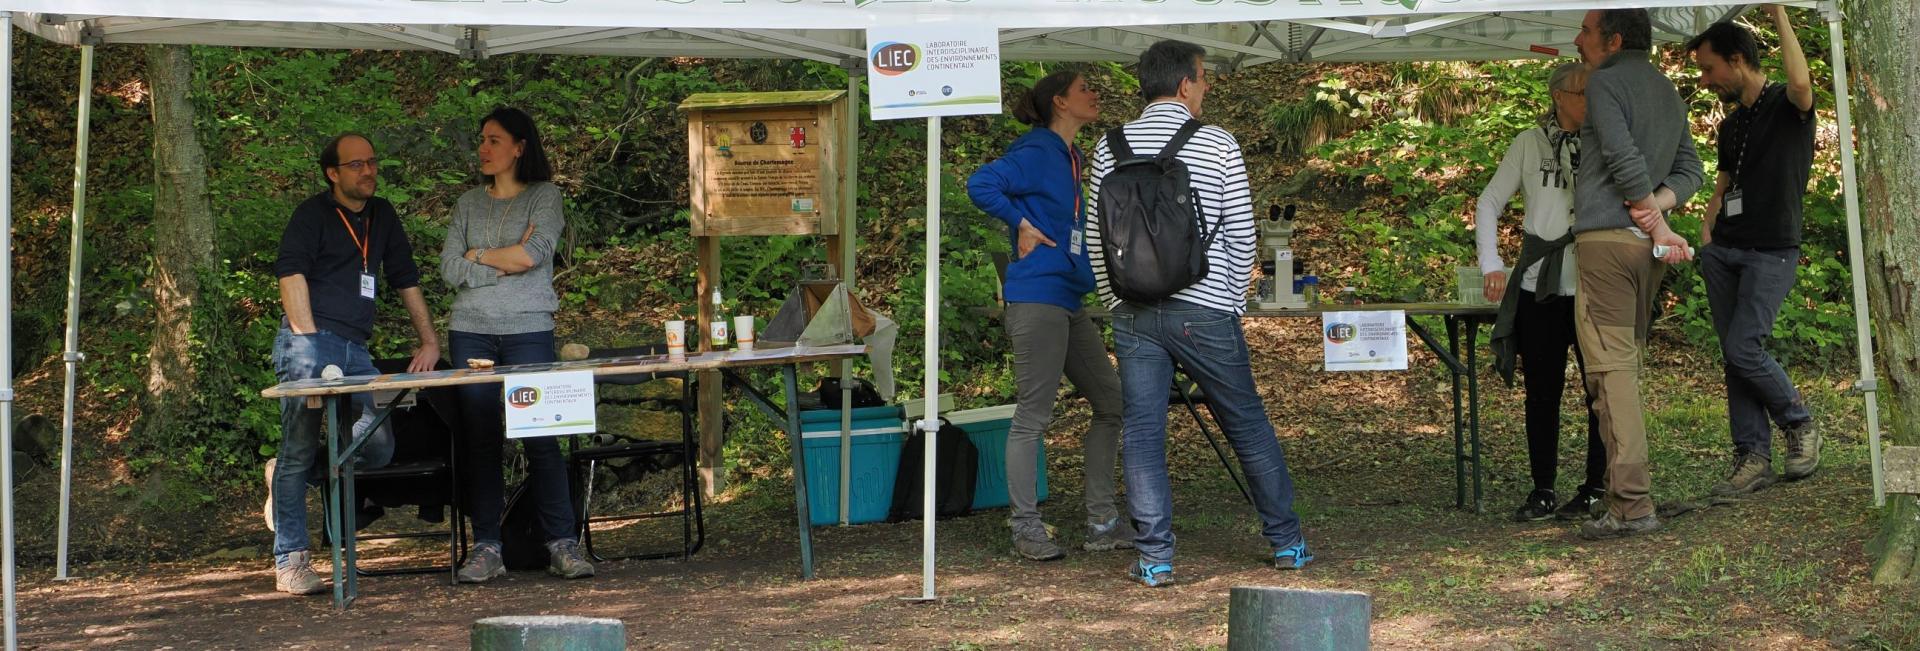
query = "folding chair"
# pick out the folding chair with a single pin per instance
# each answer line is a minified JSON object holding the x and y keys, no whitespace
{"x":422,"y":472}
{"x":664,"y":454}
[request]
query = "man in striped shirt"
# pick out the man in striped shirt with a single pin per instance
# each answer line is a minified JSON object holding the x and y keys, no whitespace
{"x":1197,"y":328}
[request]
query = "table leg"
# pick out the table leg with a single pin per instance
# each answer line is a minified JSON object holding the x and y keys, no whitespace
{"x":1473,"y":405}
{"x":1459,"y":444}
{"x":333,"y":518}
{"x":791,"y":385}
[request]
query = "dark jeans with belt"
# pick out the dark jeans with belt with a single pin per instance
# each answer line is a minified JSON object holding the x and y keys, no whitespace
{"x":1545,"y":333}
{"x":1745,"y":288}
{"x":486,"y":431}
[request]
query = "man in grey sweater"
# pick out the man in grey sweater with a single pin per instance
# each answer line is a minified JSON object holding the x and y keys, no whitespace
{"x":1639,"y":161}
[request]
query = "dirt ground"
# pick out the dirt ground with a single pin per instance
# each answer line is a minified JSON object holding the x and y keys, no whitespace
{"x":1369,"y":453}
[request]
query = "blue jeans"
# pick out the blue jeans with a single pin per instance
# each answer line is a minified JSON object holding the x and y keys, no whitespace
{"x":302,"y":461}
{"x":1209,"y":345}
{"x":1745,"y":288}
{"x":486,"y":431}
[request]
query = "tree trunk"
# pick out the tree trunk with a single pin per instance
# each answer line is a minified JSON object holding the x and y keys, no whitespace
{"x":182,"y":236}
{"x":1886,"y":92}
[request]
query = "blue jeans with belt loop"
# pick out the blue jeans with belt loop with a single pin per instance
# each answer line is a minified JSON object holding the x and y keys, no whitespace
{"x":1210,"y":346}
{"x":486,"y":430}
{"x":302,"y":459}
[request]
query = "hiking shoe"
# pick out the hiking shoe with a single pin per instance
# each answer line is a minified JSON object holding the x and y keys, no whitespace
{"x":1294,"y":557}
{"x":1803,"y":450}
{"x":1539,"y":506}
{"x":267,"y":510}
{"x":483,"y":564}
{"x":1608,"y":526}
{"x":293,"y":574}
{"x":1035,"y":543}
{"x":1580,"y":507}
{"x":1751,"y":473}
{"x":1152,"y":575}
{"x":1117,"y":533}
{"x":565,"y":560}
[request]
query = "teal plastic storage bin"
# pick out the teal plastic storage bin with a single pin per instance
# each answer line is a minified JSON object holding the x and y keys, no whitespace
{"x":877,"y":440}
{"x":987,"y":428}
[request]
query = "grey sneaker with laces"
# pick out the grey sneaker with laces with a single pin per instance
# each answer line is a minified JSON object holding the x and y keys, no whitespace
{"x":1608,"y":526}
{"x":293,"y":574}
{"x":1035,"y":543}
{"x":483,"y":564}
{"x":565,"y":560}
{"x":1803,"y":450}
{"x":1115,"y":534}
{"x":1751,"y":473}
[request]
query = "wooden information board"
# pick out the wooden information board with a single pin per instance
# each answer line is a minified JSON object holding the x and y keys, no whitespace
{"x":765,"y":163}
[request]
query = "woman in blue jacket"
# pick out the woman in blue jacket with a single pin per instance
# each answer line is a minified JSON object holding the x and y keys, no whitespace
{"x":1036,"y":189}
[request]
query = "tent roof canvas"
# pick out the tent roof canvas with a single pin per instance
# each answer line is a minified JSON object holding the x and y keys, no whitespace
{"x":1238,"y":34}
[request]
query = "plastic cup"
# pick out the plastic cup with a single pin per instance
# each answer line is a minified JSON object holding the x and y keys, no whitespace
{"x":677,"y":338}
{"x":743,"y":332}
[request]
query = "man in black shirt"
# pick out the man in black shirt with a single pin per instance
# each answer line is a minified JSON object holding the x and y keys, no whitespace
{"x":1751,"y":242}
{"x":332,"y":256}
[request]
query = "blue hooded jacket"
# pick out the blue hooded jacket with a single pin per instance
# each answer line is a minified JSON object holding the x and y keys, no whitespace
{"x":1038,"y":180}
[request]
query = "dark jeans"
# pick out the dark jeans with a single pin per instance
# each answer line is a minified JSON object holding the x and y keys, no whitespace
{"x":1209,"y":345}
{"x":1745,"y":288}
{"x":1545,"y":333}
{"x":486,"y":431}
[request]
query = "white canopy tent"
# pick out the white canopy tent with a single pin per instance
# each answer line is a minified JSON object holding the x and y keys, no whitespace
{"x":1238,"y":35}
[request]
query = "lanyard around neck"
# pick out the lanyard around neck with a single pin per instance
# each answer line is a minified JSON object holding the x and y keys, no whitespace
{"x":357,"y":240}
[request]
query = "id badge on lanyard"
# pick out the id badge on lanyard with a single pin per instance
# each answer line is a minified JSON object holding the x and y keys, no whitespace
{"x":1733,"y":203}
{"x":367,"y":283}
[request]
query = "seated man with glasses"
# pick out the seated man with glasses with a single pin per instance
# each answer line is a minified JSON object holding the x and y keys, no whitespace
{"x":332,"y":255}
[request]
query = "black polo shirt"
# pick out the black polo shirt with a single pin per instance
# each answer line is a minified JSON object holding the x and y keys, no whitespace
{"x":1767,"y":150}
{"x":319,"y":245}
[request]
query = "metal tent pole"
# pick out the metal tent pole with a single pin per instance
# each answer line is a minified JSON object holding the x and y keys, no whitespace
{"x":6,"y":323}
{"x":72,"y":355}
{"x":930,"y":423}
{"x":1856,"y":250}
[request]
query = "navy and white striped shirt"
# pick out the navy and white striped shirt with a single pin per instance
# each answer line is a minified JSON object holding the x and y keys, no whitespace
{"x":1219,"y":177}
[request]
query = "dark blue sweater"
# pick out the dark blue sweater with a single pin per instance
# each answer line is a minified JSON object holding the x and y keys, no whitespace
{"x":1037,"y":180}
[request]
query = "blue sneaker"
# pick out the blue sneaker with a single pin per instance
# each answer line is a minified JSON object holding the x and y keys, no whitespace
{"x":1152,"y":575}
{"x":1294,"y":557}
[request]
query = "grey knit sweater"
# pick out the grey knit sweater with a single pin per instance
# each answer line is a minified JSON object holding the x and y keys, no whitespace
{"x":487,"y":302}
{"x":1634,"y":141}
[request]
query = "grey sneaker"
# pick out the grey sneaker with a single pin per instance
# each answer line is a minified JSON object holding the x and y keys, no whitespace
{"x":293,"y":574}
{"x":483,"y":564}
{"x":1803,"y":450}
{"x":1751,"y":473}
{"x":1609,"y":526}
{"x":564,"y":560}
{"x":1115,"y":534}
{"x":1035,"y":543}
{"x":267,"y":511}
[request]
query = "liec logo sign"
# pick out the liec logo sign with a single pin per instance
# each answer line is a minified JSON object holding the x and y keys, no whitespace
{"x":894,"y":59}
{"x":523,"y":397}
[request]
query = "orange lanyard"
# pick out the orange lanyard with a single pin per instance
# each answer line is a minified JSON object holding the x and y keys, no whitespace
{"x":356,"y":236}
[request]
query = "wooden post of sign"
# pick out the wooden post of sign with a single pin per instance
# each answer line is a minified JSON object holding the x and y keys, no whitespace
{"x":758,"y":164}
{"x":713,"y":465}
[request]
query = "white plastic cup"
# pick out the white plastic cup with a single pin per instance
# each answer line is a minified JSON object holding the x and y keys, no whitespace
{"x":743,"y":332}
{"x":677,"y":338}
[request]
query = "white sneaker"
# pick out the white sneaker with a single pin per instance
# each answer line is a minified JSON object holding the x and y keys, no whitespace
{"x":295,"y":575}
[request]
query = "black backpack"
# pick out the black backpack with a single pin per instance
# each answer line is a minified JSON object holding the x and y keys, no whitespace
{"x":1154,"y":242}
{"x":953,"y":481}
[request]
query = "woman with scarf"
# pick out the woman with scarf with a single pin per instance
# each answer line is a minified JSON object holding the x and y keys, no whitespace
{"x":1536,"y":318}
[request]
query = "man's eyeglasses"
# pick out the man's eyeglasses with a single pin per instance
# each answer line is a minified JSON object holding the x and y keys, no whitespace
{"x":363,"y":165}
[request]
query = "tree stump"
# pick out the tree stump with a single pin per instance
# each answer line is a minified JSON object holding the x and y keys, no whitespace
{"x":548,"y":633}
{"x":1273,"y":619}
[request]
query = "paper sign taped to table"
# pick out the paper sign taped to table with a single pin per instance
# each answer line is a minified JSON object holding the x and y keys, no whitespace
{"x":1365,"y":341}
{"x":548,"y":404}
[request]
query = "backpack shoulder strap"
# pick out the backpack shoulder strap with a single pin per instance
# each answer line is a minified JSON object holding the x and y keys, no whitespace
{"x":1180,"y":139}
{"x":1117,"y":143}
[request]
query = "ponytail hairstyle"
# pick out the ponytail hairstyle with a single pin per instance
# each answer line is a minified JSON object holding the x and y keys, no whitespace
{"x":1036,"y":107}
